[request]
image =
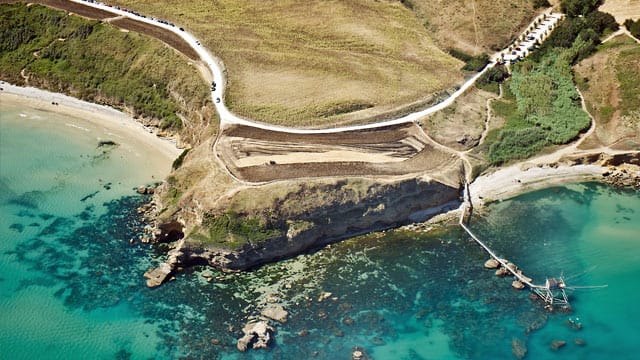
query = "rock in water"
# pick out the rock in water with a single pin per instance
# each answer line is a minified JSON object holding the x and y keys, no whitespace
{"x":502,"y":272}
{"x":491,"y":264}
{"x":557,"y":344}
{"x":519,"y":348}
{"x":517,"y":285}
{"x":156,"y":276}
{"x":256,"y":334}
{"x":275,"y":312}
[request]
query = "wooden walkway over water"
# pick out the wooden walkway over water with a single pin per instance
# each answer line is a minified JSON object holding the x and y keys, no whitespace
{"x":545,"y":292}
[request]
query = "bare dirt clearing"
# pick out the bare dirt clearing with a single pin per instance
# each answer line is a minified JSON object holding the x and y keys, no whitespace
{"x":622,"y":9}
{"x":257,"y":155}
{"x":460,"y":126}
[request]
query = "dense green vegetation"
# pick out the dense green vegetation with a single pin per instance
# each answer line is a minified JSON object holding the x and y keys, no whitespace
{"x":545,"y":105}
{"x":633,"y":27}
{"x":472,"y":63}
{"x":96,"y":62}
{"x":491,"y":79}
{"x":232,"y":230}
{"x":584,"y":24}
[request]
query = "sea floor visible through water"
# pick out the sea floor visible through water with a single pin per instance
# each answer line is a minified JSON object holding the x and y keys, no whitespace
{"x":71,"y":285}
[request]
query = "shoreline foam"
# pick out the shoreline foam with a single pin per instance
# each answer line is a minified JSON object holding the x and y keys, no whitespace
{"x":106,"y":117}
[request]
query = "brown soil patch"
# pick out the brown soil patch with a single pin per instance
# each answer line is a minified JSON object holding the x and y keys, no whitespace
{"x":69,"y":6}
{"x":258,"y":155}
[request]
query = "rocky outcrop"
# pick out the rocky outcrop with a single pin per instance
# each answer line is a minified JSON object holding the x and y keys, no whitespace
{"x":557,"y":344}
{"x":491,"y":264}
{"x":624,"y":168}
{"x":313,"y":217}
{"x":275,"y":312}
{"x":157,"y":276}
{"x":257,"y":335}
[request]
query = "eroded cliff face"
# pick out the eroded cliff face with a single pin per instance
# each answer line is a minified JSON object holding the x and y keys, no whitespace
{"x":313,"y":215}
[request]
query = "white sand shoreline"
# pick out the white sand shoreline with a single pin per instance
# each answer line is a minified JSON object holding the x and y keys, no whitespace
{"x":109,"y":118}
{"x":514,"y":180}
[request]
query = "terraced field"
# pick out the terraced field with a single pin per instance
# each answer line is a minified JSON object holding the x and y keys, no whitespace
{"x":257,"y":155}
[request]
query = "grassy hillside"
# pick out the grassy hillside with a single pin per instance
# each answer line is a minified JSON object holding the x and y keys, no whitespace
{"x":474,"y":26}
{"x":315,"y":62}
{"x":97,"y":62}
{"x":609,"y":82}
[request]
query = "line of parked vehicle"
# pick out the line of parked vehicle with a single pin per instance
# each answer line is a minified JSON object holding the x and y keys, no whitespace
{"x":531,"y":38}
{"x":132,"y":12}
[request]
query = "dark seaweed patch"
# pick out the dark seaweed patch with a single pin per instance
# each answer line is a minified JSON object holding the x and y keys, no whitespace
{"x":17,"y":227}
{"x":89,"y":196}
{"x":56,"y":226}
{"x":29,"y":199}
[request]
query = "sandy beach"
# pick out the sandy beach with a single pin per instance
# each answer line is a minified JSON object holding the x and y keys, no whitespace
{"x":519,"y":179}
{"x":116,"y":122}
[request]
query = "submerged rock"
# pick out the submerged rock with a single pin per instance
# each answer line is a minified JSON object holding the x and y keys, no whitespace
{"x":518,"y":348}
{"x":275,"y":312}
{"x":557,"y":344}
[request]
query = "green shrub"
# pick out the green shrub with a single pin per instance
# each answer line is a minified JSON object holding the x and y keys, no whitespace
{"x":231,"y":229}
{"x":540,"y":4}
{"x":633,"y":27}
{"x":472,"y":63}
{"x":178,"y":161}
{"x":575,"y":8}
{"x":516,"y":144}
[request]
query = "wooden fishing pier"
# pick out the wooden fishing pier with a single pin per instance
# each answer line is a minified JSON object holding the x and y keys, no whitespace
{"x":552,"y":292}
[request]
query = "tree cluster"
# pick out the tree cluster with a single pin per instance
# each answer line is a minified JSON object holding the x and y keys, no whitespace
{"x":633,"y":27}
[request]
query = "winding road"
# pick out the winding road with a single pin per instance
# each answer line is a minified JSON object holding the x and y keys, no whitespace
{"x":227,"y":118}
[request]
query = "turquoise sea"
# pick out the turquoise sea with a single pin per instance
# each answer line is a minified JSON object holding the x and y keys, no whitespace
{"x":71,"y":285}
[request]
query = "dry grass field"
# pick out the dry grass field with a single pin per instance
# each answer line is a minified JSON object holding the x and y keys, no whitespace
{"x":609,"y":82}
{"x":460,"y":125}
{"x":622,"y":9}
{"x":474,"y":26}
{"x":315,"y":63}
{"x":257,"y":155}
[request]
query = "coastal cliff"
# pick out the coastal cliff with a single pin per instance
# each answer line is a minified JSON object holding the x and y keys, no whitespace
{"x":307,"y":216}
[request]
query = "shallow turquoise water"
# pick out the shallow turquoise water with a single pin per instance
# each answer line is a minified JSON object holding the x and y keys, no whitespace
{"x":71,"y":285}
